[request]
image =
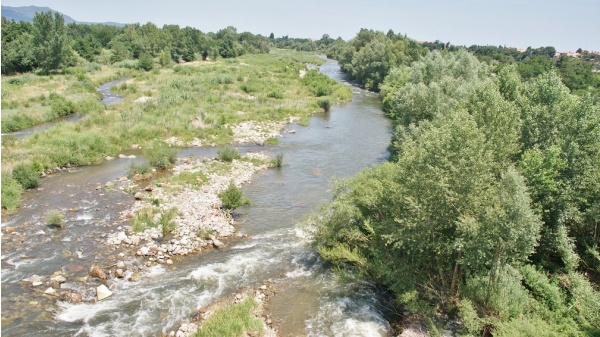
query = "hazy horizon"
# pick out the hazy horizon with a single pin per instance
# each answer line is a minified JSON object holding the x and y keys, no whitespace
{"x":564,"y":25}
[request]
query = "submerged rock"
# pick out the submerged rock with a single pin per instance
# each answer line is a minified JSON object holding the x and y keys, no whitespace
{"x":96,"y":271}
{"x":71,"y":297}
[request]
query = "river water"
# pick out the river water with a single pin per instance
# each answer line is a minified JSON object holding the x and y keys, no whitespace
{"x":310,"y":300}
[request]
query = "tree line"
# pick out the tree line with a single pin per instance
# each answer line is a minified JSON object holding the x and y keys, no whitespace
{"x":48,"y":45}
{"x":488,"y":209}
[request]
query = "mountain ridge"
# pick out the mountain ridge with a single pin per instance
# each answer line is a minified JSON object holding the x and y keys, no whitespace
{"x":26,"y":13}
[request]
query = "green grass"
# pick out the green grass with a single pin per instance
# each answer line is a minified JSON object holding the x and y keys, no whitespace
{"x":141,"y":170}
{"x":160,"y":155}
{"x":11,"y":192}
{"x":220,"y":94}
{"x":193,"y":180}
{"x":234,"y":320}
{"x":144,"y":218}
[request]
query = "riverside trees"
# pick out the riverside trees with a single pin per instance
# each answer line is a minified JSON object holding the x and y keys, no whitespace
{"x":489,"y":207}
{"x":47,"y":44}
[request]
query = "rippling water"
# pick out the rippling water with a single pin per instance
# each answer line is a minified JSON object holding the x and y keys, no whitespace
{"x":309,"y":301}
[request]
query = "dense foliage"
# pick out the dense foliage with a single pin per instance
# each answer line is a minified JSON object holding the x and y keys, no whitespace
{"x":371,"y":54}
{"x":490,"y":205}
{"x":47,"y":44}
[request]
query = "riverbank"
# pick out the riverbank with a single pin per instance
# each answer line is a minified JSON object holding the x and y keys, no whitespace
{"x":267,"y":244}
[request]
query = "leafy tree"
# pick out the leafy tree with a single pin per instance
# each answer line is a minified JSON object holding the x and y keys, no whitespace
{"x":50,"y":40}
{"x":17,"y":47}
{"x":88,"y":47}
{"x":146,"y":62}
{"x":534,"y":66}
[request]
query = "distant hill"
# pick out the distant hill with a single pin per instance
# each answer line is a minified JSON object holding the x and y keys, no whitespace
{"x":26,"y":13}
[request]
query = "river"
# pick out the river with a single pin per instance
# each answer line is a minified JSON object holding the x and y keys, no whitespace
{"x":310,"y":300}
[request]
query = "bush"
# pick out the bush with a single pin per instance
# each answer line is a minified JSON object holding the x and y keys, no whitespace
{"x":138,"y":169}
{"x":278,"y":161}
{"x":129,"y":64}
{"x":146,"y":62}
{"x":165,"y":221}
{"x":272,"y":141}
{"x":54,"y":218}
{"x":26,"y":175}
{"x":233,"y":198}
{"x":319,"y":84}
{"x":160,"y":155}
{"x":275,"y":93}
{"x":228,"y":154}
{"x":143,"y":219}
{"x":11,"y":193}
{"x":324,"y":103}
{"x":60,"y":106}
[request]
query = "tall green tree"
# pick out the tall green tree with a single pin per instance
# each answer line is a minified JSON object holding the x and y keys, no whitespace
{"x":50,"y":40}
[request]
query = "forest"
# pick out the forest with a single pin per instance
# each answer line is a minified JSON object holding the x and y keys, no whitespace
{"x":487,"y":211}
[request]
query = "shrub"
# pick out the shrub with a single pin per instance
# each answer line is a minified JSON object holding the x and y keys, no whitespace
{"x":60,"y":106}
{"x":324,"y":103}
{"x":319,"y":84}
{"x":275,"y":93}
{"x":205,"y":233}
{"x":138,"y":169}
{"x":272,"y":141}
{"x":54,"y":218}
{"x":26,"y":175}
{"x":143,"y":219}
{"x":11,"y":193}
{"x":160,"y":155}
{"x":129,"y":64}
{"x":228,"y":154}
{"x":146,"y":62}
{"x":165,"y":221}
{"x":278,"y":161}
{"x":233,"y":198}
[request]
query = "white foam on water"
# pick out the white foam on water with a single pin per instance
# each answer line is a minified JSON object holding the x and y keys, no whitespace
{"x":84,"y":217}
{"x":348,"y":317}
{"x":156,"y":270}
{"x":83,"y":312}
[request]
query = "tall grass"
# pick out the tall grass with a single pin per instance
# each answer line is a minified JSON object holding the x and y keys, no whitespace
{"x":264,"y":87}
{"x":234,"y":320}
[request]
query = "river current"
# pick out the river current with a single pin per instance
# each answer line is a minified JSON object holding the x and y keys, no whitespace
{"x":273,"y":243}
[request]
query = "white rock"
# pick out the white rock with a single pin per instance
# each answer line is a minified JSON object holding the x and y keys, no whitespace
{"x":59,"y":279}
{"x":121,"y":236}
{"x":144,"y":250}
{"x":121,"y":265}
{"x":169,"y":262}
{"x":50,"y":291}
{"x":102,"y":292}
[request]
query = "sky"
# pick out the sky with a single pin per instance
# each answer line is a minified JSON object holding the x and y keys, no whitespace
{"x":564,"y":24}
